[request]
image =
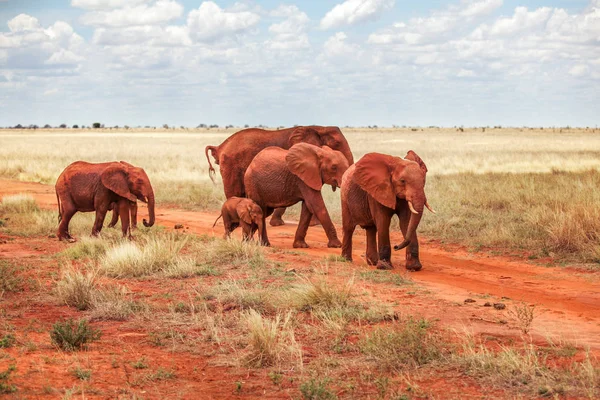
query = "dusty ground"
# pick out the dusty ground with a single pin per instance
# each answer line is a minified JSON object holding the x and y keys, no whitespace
{"x":568,"y":301}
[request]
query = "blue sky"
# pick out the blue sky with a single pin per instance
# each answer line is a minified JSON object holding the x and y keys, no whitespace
{"x":338,"y":62}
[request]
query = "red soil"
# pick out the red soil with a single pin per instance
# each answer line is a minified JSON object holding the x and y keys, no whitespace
{"x":568,"y":299}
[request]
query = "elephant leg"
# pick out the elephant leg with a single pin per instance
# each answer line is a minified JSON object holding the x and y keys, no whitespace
{"x":383,"y":239}
{"x":316,"y":205}
{"x":263,"y":234}
{"x":133,"y":211}
{"x":347,"y":241}
{"x":115,"y":216}
{"x":101,"y":211}
{"x":305,"y":216}
{"x":124,"y":213}
{"x":246,"y":230}
{"x":276,"y":219}
{"x":68,"y":210}
{"x":372,"y":255}
{"x":412,"y":250}
{"x":314,"y":221}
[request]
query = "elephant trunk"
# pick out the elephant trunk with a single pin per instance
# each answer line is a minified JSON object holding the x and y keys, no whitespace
{"x":413,"y":223}
{"x":150,"y":197}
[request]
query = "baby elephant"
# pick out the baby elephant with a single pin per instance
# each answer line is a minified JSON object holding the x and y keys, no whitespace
{"x":238,"y":211}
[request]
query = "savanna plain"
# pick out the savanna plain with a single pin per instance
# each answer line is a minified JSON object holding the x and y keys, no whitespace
{"x":507,"y":304}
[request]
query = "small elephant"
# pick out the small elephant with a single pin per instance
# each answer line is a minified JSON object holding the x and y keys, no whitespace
{"x":86,"y":187}
{"x":238,"y":211}
{"x":281,"y":178}
{"x":115,"y":217}
{"x":373,"y":190}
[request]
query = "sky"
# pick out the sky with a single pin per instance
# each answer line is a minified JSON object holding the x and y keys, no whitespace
{"x":281,"y":63}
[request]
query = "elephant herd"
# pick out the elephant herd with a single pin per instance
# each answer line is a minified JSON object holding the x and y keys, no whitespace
{"x":277,"y":169}
{"x":264,"y":172}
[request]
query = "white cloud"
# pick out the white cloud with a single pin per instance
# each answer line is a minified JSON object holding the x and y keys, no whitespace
{"x":351,"y":12}
{"x":106,"y":4}
{"x":211,"y":22}
{"x":64,"y":57}
{"x":23,"y":23}
{"x":479,"y":8}
{"x":160,"y":12}
{"x":151,"y":35}
{"x":336,"y":46}
{"x":579,"y":70}
{"x":521,"y":20}
{"x":289,"y":34}
{"x":50,"y":92}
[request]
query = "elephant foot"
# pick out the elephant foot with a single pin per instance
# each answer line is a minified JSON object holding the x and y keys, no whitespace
{"x":381,"y":264}
{"x":347,"y":257}
{"x":414,"y":265}
{"x":334,"y":243}
{"x":266,"y":244}
{"x":111,"y":225}
{"x":300,"y":244}
{"x":372,"y":260}
{"x":276,"y":221}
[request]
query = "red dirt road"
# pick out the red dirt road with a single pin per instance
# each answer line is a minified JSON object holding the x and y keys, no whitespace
{"x":568,"y":300}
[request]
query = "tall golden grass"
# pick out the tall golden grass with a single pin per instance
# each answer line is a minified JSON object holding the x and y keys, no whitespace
{"x":518,"y":188}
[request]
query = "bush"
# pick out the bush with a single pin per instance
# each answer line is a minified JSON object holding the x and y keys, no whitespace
{"x":96,"y":125}
{"x":6,"y":387}
{"x":73,"y":335}
{"x":76,"y":289}
{"x":9,"y":280}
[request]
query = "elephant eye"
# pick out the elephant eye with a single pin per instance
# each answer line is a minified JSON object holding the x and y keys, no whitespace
{"x":402,"y":181}
{"x":334,"y":167}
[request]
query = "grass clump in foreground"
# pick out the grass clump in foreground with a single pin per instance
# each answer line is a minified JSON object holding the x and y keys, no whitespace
{"x":9,"y":280}
{"x":155,"y":254}
{"x":5,"y":385}
{"x":404,"y":344}
{"x":82,"y":291}
{"x":316,"y":389}
{"x":271,"y":341}
{"x":73,"y":335}
{"x":234,"y":252}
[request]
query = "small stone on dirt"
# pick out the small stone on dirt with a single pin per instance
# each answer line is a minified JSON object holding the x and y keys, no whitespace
{"x":499,"y":306}
{"x":178,"y":226}
{"x":487,"y":304}
{"x":291,"y":271}
{"x":470,"y":301}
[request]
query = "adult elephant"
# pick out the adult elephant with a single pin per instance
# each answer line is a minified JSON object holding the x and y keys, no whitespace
{"x":87,"y":187}
{"x":374,"y":189}
{"x":281,"y":178}
{"x":236,"y":153}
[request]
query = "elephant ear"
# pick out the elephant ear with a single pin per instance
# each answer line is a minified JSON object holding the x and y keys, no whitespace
{"x":243,"y":210}
{"x":304,"y":134}
{"x":303,"y":161}
{"x":114,"y":178}
{"x":373,"y":175}
{"x":411,"y":155}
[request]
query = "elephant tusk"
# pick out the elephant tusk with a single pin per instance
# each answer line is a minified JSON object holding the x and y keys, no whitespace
{"x":412,"y":209}
{"x":429,"y":207}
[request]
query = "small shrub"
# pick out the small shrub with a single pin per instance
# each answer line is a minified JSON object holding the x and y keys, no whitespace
{"x":82,"y":374}
{"x":524,"y":315}
{"x":73,"y":335}
{"x":319,"y":294}
{"x":404,"y":344}
{"x":7,"y":341}
{"x":140,"y":364}
{"x":5,"y":386}
{"x":112,"y":303}
{"x":316,"y":389}
{"x":18,"y":204}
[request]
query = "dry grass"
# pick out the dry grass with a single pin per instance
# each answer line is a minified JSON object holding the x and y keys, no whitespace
{"x":18,"y":204}
{"x":527,"y":370}
{"x":154,"y":254}
{"x":272,"y":341}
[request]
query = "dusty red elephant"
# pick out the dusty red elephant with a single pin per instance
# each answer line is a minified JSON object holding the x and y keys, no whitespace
{"x":376,"y":188}
{"x":281,"y":178}
{"x":238,"y":211}
{"x":236,"y":153}
{"x":86,"y":187}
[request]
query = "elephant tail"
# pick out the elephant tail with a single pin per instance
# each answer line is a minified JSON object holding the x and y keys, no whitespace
{"x":214,"y":151}
{"x":59,"y":208}
{"x":219,"y":217}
